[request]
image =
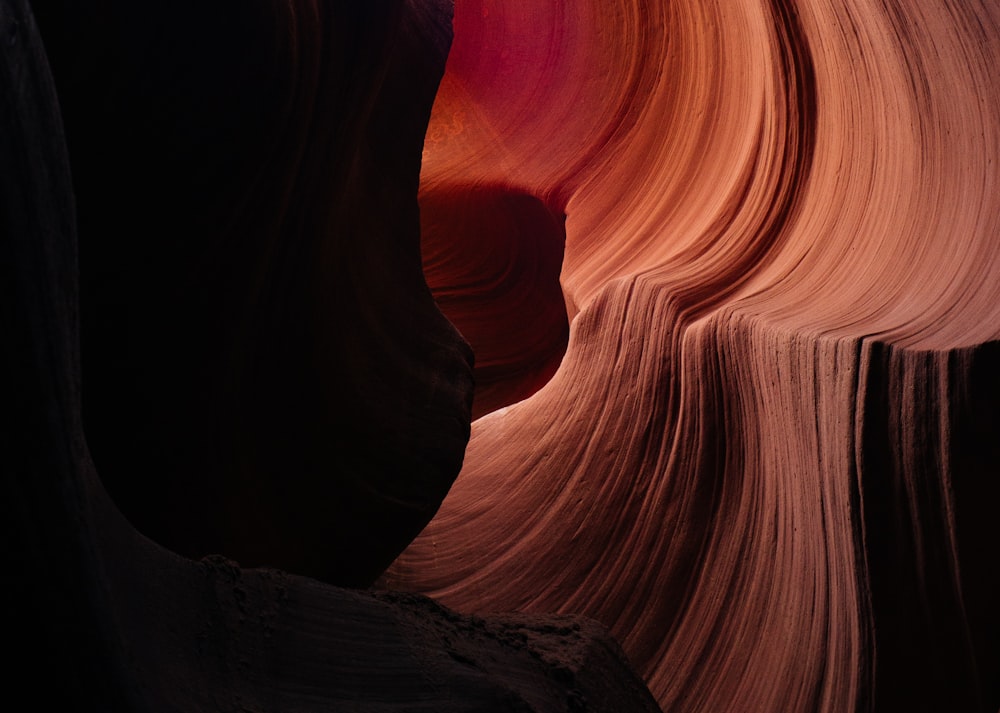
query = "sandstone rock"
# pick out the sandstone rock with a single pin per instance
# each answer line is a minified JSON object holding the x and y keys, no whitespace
{"x":765,"y":457}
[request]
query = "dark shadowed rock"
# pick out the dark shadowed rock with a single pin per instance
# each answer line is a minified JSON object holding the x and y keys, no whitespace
{"x":101,"y":618}
{"x":265,"y":373}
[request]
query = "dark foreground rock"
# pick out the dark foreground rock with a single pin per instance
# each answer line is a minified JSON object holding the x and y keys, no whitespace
{"x":101,"y":618}
{"x":264,"y":370}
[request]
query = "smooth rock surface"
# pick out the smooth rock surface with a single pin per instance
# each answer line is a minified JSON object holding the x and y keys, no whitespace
{"x":769,"y":456}
{"x":265,"y":373}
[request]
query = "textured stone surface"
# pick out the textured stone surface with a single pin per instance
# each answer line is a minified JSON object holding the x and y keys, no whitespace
{"x":766,"y":463}
{"x":766,"y":457}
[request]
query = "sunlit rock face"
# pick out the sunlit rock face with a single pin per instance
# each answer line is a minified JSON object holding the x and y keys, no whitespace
{"x":769,"y":456}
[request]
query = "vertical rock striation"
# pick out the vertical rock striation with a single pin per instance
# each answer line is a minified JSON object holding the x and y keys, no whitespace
{"x":763,"y":452}
{"x":766,"y":457}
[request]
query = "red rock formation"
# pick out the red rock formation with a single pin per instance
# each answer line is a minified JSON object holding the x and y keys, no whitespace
{"x":767,"y":459}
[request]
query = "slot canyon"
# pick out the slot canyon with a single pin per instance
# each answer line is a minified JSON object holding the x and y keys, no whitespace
{"x":501,"y":355}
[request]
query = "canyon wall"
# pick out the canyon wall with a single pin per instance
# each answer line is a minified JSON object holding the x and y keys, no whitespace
{"x":768,"y":457}
{"x":731,"y":273}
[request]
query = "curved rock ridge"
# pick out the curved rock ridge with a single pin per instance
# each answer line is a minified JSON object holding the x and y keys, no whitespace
{"x":491,"y":257}
{"x":766,"y":459}
{"x":101,"y":618}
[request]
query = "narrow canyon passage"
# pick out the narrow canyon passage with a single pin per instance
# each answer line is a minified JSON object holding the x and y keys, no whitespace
{"x":501,"y":355}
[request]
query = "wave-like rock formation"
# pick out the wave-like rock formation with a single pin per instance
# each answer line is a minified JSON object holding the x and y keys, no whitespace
{"x":301,"y":238}
{"x":769,"y":458}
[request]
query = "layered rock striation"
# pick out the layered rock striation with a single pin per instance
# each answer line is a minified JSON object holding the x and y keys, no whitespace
{"x":731,"y":273}
{"x":767,"y":457}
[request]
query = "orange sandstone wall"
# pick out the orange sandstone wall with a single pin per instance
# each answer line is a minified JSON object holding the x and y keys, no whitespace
{"x":768,"y":457}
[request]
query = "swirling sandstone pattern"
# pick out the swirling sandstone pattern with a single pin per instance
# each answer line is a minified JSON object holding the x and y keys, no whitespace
{"x":769,"y":457}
